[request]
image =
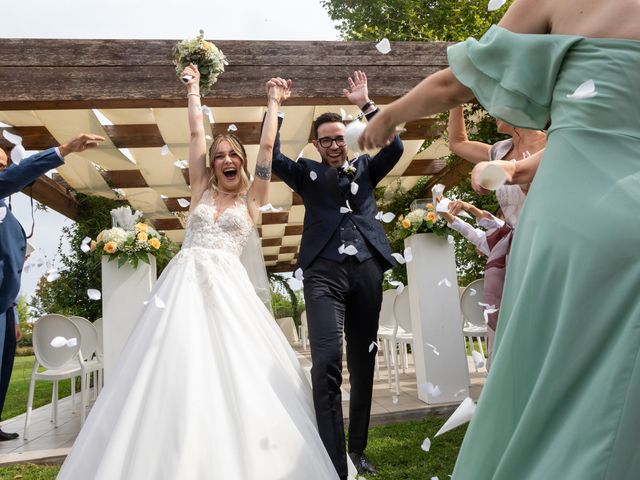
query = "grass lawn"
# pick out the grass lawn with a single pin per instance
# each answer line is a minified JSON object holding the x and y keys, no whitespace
{"x":394,"y":449}
{"x":16,"y":401}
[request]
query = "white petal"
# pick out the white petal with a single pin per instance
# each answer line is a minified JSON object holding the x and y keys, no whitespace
{"x":58,"y":342}
{"x":462,"y":391}
{"x":298,"y":274}
{"x":378,"y":216}
{"x":399,"y":258}
{"x":372,"y":346}
{"x":269,"y":208}
{"x":496,"y":4}
{"x":472,"y":292}
{"x":341,"y":249}
{"x":313,"y":175}
{"x":158,"y":301}
{"x":383,"y":46}
{"x":85,"y":248}
{"x":343,"y":113}
{"x":462,"y":415}
{"x":486,"y":305}
{"x":408,"y":254}
{"x":450,"y":239}
{"x":352,"y":133}
{"x":399,"y":286}
{"x":445,"y":281}
{"x":164,"y":197}
{"x":478,"y":359}
{"x":585,"y":90}
{"x":86,"y":240}
{"x":388,"y":217}
{"x":12,"y":137}
{"x":183,"y":202}
{"x":345,"y":210}
{"x":395,"y":399}
{"x":436,"y":391}
{"x":53,"y":276}
{"x":350,"y":250}
{"x":18,"y":154}
{"x":354,"y":188}
{"x":433,"y":347}
{"x":232,"y":128}
{"x":72,"y":342}
{"x":436,"y":478}
{"x":181,"y":163}
{"x":426,"y":444}
{"x":3,"y":213}
{"x":164,"y":151}
{"x":94,"y":294}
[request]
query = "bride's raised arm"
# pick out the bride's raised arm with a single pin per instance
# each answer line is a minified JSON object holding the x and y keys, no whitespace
{"x":278,"y":90}
{"x":198,"y":175}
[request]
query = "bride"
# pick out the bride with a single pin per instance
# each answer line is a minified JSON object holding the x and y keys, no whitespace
{"x":207,"y":387}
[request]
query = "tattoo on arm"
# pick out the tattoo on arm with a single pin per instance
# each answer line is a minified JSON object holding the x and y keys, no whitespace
{"x":264,"y":171}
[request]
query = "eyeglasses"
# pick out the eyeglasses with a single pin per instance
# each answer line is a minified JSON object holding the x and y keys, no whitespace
{"x":326,"y":142}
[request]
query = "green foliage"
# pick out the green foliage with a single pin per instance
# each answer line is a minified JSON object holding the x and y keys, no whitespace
{"x":284,"y":300}
{"x":80,"y":271}
{"x":411,"y":20}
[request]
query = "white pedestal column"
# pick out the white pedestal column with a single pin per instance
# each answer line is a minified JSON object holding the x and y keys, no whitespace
{"x":435,"y":318}
{"x":124,"y":290}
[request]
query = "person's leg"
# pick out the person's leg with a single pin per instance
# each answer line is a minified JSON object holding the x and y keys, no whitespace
{"x":324,"y":289}
{"x":361,"y":329}
{"x":8,"y":354}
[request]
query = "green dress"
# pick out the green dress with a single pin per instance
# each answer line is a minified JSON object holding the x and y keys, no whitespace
{"x":562,"y":401}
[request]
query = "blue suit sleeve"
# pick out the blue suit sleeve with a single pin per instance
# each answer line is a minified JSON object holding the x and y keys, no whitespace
{"x":290,"y":172}
{"x":387,"y":158}
{"x":16,"y":177}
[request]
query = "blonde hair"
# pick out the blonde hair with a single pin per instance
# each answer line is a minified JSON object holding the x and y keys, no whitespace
{"x":237,"y":147}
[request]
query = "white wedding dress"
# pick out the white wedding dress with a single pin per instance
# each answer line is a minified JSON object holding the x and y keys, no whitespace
{"x":207,"y":386}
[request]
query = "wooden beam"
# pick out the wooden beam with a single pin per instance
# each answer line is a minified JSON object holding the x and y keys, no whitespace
{"x":274,"y":218}
{"x":425,"y":166}
{"x":291,"y":230}
{"x":281,"y":267}
{"x":167,"y":224}
{"x":451,"y":175}
{"x":271,"y":242}
{"x":124,"y":178}
{"x":134,"y":136}
{"x":292,"y":249}
{"x":140,"y":73}
{"x":33,"y":138}
{"x":55,"y":196}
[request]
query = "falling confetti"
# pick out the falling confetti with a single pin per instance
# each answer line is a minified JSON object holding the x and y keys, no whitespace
{"x":478,"y":359}
{"x":85,"y":248}
{"x":383,"y":46}
{"x":472,"y":292}
{"x":586,"y":90}
{"x":346,"y":209}
{"x":426,"y":444}
{"x":430,"y":389}
{"x":354,"y":188}
{"x":385,"y":217}
{"x":372,"y":346}
{"x":59,"y":342}
{"x":18,"y":153}
{"x":349,"y":250}
{"x":433,"y":347}
{"x":450,"y":239}
{"x":232,"y":128}
{"x":313,"y":176}
{"x":181,"y":163}
{"x":12,"y":137}
{"x":462,"y":391}
{"x":395,"y":399}
{"x":164,"y":151}
{"x":3,"y":213}
{"x":495,"y":4}
{"x":445,"y":281}
{"x":398,"y":284}
{"x":94,"y":294}
{"x":269,"y":208}
{"x":298,"y":274}
{"x":53,"y":276}
{"x":183,"y":202}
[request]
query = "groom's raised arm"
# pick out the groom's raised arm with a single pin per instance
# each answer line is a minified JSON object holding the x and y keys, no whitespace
{"x":289,"y":171}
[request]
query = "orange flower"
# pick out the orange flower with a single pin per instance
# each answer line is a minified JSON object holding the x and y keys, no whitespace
{"x":143,"y":237}
{"x":431,"y":217}
{"x":155,"y":243}
{"x":429,"y":206}
{"x":406,"y":223}
{"x":110,"y":247}
{"x":141,"y":227}
{"x":92,"y":246}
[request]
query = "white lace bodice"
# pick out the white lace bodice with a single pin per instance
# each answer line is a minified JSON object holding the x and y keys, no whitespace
{"x":229,"y":233}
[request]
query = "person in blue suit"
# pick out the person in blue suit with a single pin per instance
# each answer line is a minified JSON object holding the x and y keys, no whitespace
{"x":13,"y":242}
{"x":343,"y":254}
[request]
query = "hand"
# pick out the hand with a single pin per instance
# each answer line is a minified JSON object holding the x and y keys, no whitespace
{"x":378,"y":133}
{"x":508,"y":167}
{"x":193,"y":85}
{"x":358,"y":93}
{"x":456,"y":206}
{"x":279,"y":89}
{"x":80,"y":143}
{"x":18,"y":333}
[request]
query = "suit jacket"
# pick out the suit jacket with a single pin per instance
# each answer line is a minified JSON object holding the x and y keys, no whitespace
{"x":323,"y":198}
{"x":13,"y":241}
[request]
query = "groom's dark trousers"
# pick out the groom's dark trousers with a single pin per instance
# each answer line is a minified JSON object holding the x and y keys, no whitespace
{"x":343,"y":293}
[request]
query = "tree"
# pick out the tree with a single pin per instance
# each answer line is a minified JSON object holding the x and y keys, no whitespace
{"x":422,"y":20}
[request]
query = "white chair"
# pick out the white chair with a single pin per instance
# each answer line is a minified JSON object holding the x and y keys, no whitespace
{"x":61,"y":363}
{"x":474,"y":326}
{"x":92,"y":363}
{"x":100,"y":349}
{"x":304,"y":330}
{"x":386,"y":327}
{"x":402,"y":335}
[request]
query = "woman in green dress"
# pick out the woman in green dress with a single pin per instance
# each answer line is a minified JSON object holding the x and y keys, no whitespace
{"x":563,"y":397}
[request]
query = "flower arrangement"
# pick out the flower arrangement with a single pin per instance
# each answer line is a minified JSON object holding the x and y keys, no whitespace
{"x":131,"y":243}
{"x":205,"y":55}
{"x":419,"y":220}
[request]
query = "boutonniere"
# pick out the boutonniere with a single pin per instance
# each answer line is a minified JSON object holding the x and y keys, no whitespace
{"x":349,"y":170}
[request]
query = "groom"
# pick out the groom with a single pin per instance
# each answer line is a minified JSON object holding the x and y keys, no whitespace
{"x":343,"y":255}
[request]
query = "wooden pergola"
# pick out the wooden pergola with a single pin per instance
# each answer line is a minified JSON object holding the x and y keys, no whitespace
{"x":127,"y":91}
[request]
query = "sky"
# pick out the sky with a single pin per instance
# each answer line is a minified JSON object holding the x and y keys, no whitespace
{"x":148,"y":19}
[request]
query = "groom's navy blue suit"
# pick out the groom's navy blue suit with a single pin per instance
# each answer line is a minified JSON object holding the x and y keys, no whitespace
{"x":343,"y":293}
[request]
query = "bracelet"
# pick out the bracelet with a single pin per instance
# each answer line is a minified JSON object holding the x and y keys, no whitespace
{"x":366,"y":106}
{"x":193,"y":94}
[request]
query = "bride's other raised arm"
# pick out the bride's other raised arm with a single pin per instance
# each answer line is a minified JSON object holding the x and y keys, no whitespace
{"x":198,"y":174}
{"x":278,"y":90}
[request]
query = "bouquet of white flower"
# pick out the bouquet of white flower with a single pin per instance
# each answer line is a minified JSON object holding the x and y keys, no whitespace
{"x":205,"y":55}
